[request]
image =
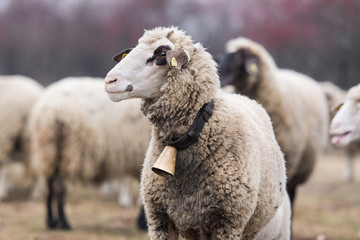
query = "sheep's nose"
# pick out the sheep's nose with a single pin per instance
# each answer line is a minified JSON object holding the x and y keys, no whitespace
{"x":110,"y":80}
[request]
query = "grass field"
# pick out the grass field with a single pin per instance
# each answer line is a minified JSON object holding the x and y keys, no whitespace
{"x":326,"y":208}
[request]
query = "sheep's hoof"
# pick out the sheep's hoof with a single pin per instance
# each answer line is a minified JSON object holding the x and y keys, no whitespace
{"x":51,"y":224}
{"x":63,"y":226}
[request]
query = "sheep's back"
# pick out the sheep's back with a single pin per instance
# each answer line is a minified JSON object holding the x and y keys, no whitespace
{"x":304,"y":113}
{"x":77,"y":123}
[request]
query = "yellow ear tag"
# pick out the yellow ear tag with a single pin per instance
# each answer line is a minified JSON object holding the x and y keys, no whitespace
{"x":173,"y":62}
{"x":124,"y":55}
{"x":254,"y":68}
{"x":339,"y":107}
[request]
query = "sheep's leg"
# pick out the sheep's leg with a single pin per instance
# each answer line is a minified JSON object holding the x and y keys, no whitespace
{"x":159,"y":226}
{"x":51,"y":222}
{"x":125,"y":198}
{"x":291,"y":190}
{"x":3,"y":190}
{"x":173,"y":233}
{"x":349,"y":174}
{"x":141,"y":221}
{"x":60,"y":196}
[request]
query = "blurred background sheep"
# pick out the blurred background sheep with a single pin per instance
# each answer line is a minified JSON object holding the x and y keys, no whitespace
{"x":287,"y":96}
{"x":78,"y":135}
{"x":336,"y":97}
{"x":17,"y":97}
{"x":345,"y":127}
{"x":48,"y":40}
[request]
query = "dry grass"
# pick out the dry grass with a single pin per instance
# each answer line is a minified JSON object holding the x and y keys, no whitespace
{"x":325,"y":205}
{"x":328,"y":206}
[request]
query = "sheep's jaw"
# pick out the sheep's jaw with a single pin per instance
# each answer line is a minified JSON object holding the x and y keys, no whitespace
{"x":341,"y":139}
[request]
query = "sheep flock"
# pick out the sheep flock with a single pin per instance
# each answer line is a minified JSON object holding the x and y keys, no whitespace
{"x":207,"y":162}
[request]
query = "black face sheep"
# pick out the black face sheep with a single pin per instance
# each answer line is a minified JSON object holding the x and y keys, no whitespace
{"x":229,"y":177}
{"x":79,"y":135}
{"x":296,"y":104}
{"x":17,"y":96}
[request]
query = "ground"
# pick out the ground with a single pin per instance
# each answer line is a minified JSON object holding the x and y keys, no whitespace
{"x":326,"y":208}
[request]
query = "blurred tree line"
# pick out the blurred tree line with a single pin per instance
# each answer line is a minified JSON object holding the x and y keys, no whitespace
{"x":49,"y":39}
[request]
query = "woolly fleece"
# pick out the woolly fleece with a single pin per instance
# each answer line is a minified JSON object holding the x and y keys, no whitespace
{"x":229,"y":184}
{"x":79,"y":132}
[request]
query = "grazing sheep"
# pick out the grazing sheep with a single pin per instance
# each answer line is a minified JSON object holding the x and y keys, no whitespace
{"x":345,"y":126}
{"x":230,"y":174}
{"x":79,"y":135}
{"x":17,"y":96}
{"x":296,"y":104}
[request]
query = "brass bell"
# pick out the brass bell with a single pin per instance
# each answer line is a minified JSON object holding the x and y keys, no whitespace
{"x":165,"y":164}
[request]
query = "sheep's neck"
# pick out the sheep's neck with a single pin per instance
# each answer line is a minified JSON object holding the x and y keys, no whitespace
{"x":193,"y":133}
{"x":171,"y":121}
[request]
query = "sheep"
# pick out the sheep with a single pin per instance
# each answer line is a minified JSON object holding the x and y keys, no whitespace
{"x":345,"y":127}
{"x":296,"y":104}
{"x":17,"y":96}
{"x":335,"y":97}
{"x":79,"y":135}
{"x":229,"y":175}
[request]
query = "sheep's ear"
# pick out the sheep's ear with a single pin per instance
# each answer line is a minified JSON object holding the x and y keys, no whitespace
{"x":120,"y":56}
{"x":177,"y":58}
{"x":252,"y":66}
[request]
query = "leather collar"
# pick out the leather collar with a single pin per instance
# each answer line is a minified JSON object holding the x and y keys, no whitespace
{"x":192,"y":135}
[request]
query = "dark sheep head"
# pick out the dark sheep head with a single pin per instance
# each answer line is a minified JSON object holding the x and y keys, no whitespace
{"x":239,"y":69}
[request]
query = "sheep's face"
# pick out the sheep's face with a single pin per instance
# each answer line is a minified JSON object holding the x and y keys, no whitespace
{"x":239,"y":69}
{"x":141,"y":73}
{"x":345,"y":126}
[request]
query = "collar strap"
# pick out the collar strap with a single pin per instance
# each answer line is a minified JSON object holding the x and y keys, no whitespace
{"x":192,"y":135}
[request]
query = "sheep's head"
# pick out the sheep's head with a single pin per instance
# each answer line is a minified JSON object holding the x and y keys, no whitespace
{"x":240,"y":65}
{"x":345,"y":126}
{"x":141,"y":71}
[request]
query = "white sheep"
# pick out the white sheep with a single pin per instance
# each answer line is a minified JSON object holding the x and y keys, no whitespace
{"x":296,"y":104}
{"x":335,"y":97}
{"x":79,"y":135}
{"x":229,"y":176}
{"x":345,"y":126}
{"x":17,"y":96}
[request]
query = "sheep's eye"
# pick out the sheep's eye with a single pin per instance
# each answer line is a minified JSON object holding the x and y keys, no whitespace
{"x":337,"y":108}
{"x":163,"y":54}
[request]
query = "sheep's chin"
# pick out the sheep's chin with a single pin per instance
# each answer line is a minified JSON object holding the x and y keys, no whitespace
{"x":119,"y":96}
{"x":342,"y":140}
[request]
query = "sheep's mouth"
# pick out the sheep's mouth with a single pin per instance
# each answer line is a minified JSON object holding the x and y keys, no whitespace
{"x":129,"y":88}
{"x":340,"y":138}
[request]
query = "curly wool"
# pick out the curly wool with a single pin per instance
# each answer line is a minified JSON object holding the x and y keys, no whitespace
{"x":232,"y":180}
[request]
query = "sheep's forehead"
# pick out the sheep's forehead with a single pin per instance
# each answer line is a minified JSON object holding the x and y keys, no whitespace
{"x":239,"y":43}
{"x":354,"y":93}
{"x":174,"y":35}
{"x":152,"y":45}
